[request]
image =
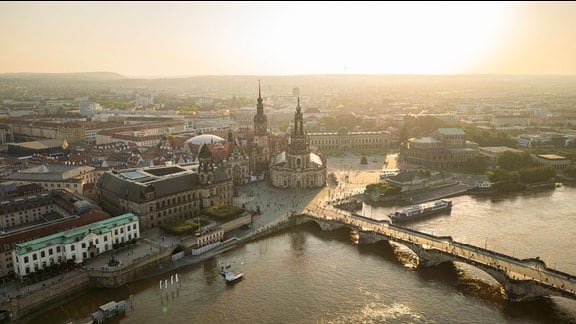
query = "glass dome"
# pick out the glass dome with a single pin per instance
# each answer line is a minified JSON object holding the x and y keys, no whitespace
{"x":205,"y":139}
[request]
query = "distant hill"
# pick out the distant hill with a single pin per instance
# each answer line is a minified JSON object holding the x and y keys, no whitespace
{"x":67,"y":76}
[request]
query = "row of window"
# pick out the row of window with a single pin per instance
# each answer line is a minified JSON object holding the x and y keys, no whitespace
{"x":209,"y":239}
{"x":42,"y":254}
{"x":59,"y":185}
{"x":73,"y":255}
{"x":338,"y":147}
{"x":347,"y":141}
{"x":174,"y":201}
{"x":26,"y":208}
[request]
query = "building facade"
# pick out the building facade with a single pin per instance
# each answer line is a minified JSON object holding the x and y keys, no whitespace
{"x":298,"y":167}
{"x":51,"y":177}
{"x":352,"y":141}
{"x":158,"y":194}
{"x":77,"y":244}
{"x":446,"y":148}
{"x":558,"y":162}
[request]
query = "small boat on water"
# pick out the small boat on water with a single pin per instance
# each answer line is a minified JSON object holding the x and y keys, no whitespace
{"x":109,"y":311}
{"x":232,"y":277}
{"x":422,"y":210}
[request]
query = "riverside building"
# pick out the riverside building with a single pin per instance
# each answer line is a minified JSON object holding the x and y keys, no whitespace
{"x":77,"y":244}
{"x":159,"y":194}
{"x":445,"y":148}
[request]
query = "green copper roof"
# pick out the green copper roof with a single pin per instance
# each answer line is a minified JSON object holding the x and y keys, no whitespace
{"x":75,"y":234}
{"x":451,"y":131}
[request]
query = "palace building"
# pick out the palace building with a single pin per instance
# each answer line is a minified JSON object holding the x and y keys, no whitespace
{"x":159,"y":194}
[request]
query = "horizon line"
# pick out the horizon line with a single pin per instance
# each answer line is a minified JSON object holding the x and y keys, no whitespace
{"x":176,"y":76}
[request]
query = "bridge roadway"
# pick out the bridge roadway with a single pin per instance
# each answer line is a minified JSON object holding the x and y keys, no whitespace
{"x":520,"y":278}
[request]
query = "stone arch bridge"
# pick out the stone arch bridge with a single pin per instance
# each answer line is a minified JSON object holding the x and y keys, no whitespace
{"x":521,"y":279}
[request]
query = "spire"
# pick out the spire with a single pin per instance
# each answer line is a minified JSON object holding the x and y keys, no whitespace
{"x":260,"y":120}
{"x":259,"y":106}
{"x":298,"y":107}
{"x":298,"y":120}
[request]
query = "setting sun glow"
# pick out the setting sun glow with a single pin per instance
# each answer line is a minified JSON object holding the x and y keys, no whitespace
{"x":199,"y":38}
{"x":424,"y":38}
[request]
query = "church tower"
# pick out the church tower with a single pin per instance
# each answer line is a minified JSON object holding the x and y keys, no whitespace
{"x":260,"y":157}
{"x":206,"y":166}
{"x":298,"y":167}
{"x":260,"y":119}
{"x":298,"y":151}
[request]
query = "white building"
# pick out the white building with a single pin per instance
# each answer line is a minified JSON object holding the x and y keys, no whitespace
{"x":49,"y":176}
{"x":144,"y":100}
{"x":553,"y":160}
{"x":77,"y":244}
{"x":88,"y":108}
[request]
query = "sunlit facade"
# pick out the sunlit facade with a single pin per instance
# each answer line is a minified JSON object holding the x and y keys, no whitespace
{"x":298,"y":167}
{"x":78,"y":244}
{"x":446,"y":148}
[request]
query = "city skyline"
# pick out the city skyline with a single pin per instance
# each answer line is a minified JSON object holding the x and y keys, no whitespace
{"x":288,"y":38}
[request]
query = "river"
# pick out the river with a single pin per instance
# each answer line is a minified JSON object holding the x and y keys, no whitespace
{"x":304,"y":275}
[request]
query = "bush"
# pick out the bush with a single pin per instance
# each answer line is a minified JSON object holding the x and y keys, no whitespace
{"x":509,"y":187}
{"x":571,"y":170}
{"x":182,"y":226}
{"x":383,"y":188}
{"x":223,"y":212}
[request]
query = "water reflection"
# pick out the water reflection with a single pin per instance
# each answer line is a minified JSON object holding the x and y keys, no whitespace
{"x":306,"y":275}
{"x":210,"y":270}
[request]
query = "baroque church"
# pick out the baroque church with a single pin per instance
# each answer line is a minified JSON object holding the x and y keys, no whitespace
{"x":294,"y":167}
{"x":298,"y":167}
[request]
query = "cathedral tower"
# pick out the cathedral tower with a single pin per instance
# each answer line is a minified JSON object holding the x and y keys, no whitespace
{"x":260,"y":153}
{"x":298,"y":150}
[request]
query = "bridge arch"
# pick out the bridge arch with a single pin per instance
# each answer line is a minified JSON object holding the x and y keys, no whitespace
{"x":514,"y":286}
{"x":178,"y":248}
{"x":432,"y":250}
{"x":178,"y":252}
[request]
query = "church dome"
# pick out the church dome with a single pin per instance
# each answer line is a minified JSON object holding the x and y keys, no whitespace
{"x":205,"y":139}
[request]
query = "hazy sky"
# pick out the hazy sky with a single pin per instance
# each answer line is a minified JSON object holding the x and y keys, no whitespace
{"x":264,"y":38}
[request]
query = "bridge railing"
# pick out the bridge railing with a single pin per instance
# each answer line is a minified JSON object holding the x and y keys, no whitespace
{"x":532,"y":263}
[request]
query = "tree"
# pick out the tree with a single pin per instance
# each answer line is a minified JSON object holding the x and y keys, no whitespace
{"x":384,"y":189}
{"x":425,"y":173}
{"x":514,"y":161}
{"x":477,"y":163}
{"x":329,"y":122}
{"x":537,"y":174}
{"x":498,"y":175}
